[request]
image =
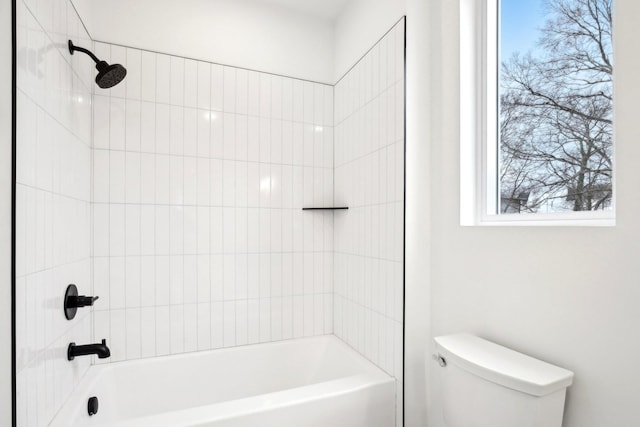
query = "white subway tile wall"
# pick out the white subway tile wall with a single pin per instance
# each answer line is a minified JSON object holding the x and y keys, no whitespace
{"x":53,"y":230}
{"x":200,"y":173}
{"x":185,"y":217}
{"x":369,"y":178}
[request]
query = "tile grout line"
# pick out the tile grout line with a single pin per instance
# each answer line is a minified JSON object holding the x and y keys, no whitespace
{"x":125,"y":222}
{"x":247,"y":223}
{"x":155,"y":212}
{"x":224,"y":273}
{"x":211,"y":284}
{"x":140,"y":210}
{"x":184,"y":334}
{"x":186,"y":58}
{"x":109,"y":284}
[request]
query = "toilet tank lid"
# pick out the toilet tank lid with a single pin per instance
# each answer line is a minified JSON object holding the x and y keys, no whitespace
{"x":503,"y":366}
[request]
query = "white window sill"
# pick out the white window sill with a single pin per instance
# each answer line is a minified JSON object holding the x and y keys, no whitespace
{"x":583,"y":219}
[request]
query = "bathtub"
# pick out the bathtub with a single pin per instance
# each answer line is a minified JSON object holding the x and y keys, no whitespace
{"x":308,"y":382}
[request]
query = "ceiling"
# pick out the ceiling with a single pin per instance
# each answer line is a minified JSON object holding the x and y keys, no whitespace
{"x":326,"y":9}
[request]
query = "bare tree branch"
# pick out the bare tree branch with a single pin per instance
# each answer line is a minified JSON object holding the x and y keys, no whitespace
{"x":556,"y":112}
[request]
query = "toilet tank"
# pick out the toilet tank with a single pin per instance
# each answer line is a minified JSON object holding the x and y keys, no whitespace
{"x":484,"y":384}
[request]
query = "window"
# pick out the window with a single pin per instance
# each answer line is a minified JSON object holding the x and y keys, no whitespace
{"x":543,"y":111}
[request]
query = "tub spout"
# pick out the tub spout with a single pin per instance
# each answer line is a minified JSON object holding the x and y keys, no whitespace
{"x":100,"y":350}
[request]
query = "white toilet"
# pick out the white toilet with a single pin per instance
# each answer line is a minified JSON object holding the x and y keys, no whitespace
{"x":487,"y":385}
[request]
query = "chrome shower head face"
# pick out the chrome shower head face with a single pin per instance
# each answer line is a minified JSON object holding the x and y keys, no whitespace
{"x":109,"y":75}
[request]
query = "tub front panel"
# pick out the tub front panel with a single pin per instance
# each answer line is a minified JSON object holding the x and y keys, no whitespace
{"x":269,"y":382}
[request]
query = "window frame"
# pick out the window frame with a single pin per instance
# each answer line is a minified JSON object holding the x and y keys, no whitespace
{"x":479,"y":122}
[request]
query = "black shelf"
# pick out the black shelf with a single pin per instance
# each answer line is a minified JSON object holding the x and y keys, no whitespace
{"x":338,"y":208}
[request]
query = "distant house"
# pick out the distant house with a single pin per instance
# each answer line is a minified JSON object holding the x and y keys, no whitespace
{"x":595,"y":196}
{"x":514,"y":204}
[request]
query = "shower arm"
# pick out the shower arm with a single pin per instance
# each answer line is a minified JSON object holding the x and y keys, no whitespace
{"x":108,"y":75}
{"x":73,"y":48}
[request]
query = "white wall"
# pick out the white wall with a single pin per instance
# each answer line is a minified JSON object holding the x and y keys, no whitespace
{"x":369,"y":178}
{"x":359,"y":26}
{"x":200,"y":175}
{"x":5,"y":214}
{"x":52,"y":205}
{"x":574,"y":301}
{"x":242,"y":33}
{"x":422,"y":77}
{"x":566,"y":295}
{"x":579,"y":312}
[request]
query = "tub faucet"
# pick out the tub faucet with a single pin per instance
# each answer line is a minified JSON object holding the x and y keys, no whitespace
{"x":101,"y":350}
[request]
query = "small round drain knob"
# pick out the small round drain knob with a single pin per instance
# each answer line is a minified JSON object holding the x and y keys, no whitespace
{"x":92,"y":406}
{"x":441,"y":360}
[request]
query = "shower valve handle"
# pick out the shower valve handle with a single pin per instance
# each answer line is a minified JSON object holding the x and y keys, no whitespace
{"x":81,"y":301}
{"x":73,"y":301}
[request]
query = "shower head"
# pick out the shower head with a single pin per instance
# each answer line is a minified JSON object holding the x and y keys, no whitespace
{"x":108,"y":75}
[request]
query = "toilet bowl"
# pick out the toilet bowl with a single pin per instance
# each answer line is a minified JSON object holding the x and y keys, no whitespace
{"x":484,"y":384}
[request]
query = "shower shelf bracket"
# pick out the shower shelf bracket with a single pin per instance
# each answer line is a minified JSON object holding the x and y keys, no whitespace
{"x":333,"y":208}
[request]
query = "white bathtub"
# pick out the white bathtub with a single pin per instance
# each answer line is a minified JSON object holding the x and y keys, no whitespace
{"x":306,"y":382}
